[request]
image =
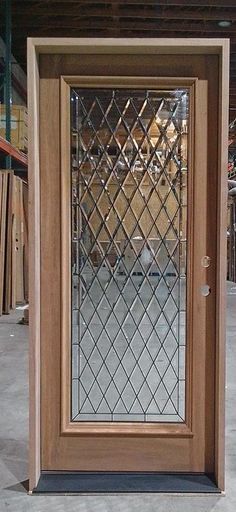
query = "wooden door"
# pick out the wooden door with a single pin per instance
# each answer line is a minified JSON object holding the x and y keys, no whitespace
{"x":130,"y":228}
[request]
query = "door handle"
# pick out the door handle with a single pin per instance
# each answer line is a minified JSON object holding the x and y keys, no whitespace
{"x":205,"y":290}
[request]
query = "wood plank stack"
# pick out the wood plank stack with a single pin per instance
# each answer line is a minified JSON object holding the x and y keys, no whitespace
{"x":13,"y":241}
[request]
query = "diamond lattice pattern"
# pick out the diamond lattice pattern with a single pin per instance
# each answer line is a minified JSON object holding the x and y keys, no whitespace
{"x":129,"y":195}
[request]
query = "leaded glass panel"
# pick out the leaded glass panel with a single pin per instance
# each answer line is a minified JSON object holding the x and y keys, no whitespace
{"x":129,"y":237}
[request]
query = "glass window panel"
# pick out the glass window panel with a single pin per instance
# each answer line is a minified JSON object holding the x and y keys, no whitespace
{"x":129,"y":227}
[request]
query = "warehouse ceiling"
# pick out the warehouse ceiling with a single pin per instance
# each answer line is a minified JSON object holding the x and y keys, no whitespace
{"x":125,"y":18}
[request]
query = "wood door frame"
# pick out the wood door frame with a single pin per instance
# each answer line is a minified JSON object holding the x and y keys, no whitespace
{"x":36,"y":47}
{"x":69,"y":427}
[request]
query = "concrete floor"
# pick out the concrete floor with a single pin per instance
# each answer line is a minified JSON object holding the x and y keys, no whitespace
{"x":14,"y":434}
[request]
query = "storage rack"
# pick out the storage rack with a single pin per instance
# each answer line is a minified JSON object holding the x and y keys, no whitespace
{"x":8,"y":153}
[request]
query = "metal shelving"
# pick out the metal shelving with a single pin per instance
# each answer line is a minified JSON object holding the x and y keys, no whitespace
{"x":7,"y":150}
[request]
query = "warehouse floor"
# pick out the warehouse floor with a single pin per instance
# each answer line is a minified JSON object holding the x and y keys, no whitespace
{"x":14,"y":434}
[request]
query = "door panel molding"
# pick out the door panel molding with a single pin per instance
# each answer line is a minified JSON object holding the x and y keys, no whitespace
{"x":195,"y":95}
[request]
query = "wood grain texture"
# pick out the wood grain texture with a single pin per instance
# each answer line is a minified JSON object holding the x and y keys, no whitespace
{"x":26,"y":241}
{"x":8,"y":246}
{"x":175,"y":66}
{"x":12,"y":243}
{"x":55,"y":444}
{"x":113,"y":61}
{"x":34,"y":268}
{"x":98,"y":428}
{"x":3,"y":233}
{"x":211,"y":251}
{"x":0,"y":242}
{"x":222,"y":188}
{"x":50,"y":215}
{"x":131,"y":82}
{"x":66,"y":355}
{"x":13,"y":255}
{"x":200,"y":400}
{"x":130,"y":45}
{"x":19,"y":242}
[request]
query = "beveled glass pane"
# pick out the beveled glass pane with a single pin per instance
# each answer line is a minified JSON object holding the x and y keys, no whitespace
{"x":129,"y":229}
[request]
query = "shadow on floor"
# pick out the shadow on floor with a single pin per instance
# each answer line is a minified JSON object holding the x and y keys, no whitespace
{"x":19,"y":487}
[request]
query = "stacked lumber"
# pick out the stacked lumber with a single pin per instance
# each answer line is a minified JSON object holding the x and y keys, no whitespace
{"x":13,"y":241}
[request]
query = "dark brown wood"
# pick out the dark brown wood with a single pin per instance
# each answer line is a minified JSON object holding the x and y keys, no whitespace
{"x":3,"y":220}
{"x":145,"y":22}
{"x":134,"y":18}
{"x":13,"y":241}
{"x":164,"y":3}
{"x":70,"y":13}
{"x":19,"y":241}
{"x":8,"y":247}
{"x":26,"y":242}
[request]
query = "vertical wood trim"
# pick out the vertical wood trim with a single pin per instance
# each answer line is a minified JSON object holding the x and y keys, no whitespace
{"x":189,"y":257}
{"x":7,"y":278}
{"x":199,"y":303}
{"x":3,"y":221}
{"x":50,"y":310}
{"x":1,"y":186}
{"x":13,"y":258}
{"x":34,"y":268}
{"x":66,"y":255}
{"x":221,"y":267}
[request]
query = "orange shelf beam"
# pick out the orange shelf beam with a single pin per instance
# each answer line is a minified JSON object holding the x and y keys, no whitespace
{"x":10,"y":150}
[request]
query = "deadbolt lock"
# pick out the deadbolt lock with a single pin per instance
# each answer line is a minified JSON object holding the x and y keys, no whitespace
{"x":206,"y":261}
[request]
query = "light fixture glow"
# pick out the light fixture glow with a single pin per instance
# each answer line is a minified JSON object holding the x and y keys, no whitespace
{"x":224,"y":23}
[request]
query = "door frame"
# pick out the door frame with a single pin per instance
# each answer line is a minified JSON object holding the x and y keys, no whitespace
{"x":36,"y":47}
{"x":197,"y":95}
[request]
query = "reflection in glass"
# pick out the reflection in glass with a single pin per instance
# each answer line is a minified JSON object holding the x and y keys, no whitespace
{"x":129,"y":204}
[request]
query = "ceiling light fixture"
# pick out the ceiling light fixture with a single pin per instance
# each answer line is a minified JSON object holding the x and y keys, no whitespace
{"x":224,"y":23}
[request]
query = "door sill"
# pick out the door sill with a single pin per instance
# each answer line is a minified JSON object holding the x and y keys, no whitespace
{"x":125,"y":482}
